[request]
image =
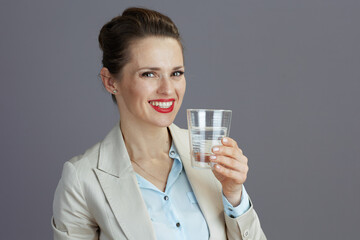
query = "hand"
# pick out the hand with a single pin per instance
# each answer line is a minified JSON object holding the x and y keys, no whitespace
{"x":231,"y":168}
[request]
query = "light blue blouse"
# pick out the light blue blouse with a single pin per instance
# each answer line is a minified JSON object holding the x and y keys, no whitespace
{"x":175,"y":213}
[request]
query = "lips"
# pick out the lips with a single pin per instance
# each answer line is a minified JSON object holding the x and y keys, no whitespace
{"x":163,"y":105}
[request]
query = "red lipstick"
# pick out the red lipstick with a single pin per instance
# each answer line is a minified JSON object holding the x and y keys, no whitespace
{"x":163,"y":110}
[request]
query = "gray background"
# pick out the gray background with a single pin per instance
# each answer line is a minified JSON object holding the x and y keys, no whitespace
{"x":289,"y":70}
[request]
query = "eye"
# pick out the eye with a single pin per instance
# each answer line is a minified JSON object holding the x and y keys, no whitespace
{"x":178,"y":73}
{"x":148,"y":74}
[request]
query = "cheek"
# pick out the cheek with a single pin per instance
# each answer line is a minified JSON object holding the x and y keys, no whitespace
{"x":138,"y":91}
{"x":181,"y":87}
{"x":184,"y":85}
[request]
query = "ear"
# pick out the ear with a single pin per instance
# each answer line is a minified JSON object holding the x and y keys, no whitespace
{"x":108,"y":81}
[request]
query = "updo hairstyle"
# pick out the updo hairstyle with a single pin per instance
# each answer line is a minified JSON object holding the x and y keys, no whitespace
{"x":117,"y":35}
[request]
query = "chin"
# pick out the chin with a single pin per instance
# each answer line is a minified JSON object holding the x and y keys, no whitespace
{"x":164,"y":122}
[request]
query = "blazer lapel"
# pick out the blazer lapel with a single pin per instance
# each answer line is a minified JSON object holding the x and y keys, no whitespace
{"x":205,"y":186}
{"x":118,"y":181}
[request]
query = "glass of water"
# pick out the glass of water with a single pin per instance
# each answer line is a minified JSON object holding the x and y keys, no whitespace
{"x":206,"y":129}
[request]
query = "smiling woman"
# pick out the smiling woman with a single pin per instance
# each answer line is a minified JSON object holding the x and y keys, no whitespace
{"x":138,"y":183}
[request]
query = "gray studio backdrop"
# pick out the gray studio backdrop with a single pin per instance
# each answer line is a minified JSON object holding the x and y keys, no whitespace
{"x":289,"y":70}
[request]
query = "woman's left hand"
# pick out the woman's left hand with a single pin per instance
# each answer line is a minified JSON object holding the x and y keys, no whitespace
{"x":231,"y":168}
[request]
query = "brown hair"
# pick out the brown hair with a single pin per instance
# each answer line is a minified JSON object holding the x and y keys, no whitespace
{"x":135,"y":23}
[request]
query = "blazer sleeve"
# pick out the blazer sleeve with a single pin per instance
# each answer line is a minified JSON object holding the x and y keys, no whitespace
{"x":246,"y":226}
{"x":71,"y":218}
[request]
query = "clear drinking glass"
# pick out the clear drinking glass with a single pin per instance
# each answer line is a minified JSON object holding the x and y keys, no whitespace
{"x":206,"y":129}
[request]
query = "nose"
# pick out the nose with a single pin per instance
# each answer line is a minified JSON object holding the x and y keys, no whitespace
{"x":165,"y":86}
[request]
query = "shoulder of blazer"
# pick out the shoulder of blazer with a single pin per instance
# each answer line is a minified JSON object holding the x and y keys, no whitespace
{"x":101,"y":155}
{"x":85,"y":163}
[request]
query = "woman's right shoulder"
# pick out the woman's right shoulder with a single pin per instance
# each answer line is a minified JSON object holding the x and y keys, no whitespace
{"x":90,"y":156}
{"x":83,"y":164}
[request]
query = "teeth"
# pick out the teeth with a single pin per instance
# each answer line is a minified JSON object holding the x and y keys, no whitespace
{"x":162,"y":104}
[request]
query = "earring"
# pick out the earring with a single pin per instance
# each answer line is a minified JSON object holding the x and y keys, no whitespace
{"x":114,"y":91}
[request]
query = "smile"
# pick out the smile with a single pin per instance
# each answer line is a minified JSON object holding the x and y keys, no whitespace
{"x":163,"y":105}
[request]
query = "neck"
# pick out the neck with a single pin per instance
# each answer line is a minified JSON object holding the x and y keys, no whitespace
{"x":145,"y":141}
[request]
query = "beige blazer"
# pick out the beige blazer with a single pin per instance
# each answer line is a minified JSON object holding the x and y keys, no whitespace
{"x":98,"y":196}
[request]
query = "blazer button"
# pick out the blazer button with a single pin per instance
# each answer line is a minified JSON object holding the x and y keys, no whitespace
{"x":246,"y":233}
{"x":178,"y":224}
{"x":166,"y":198}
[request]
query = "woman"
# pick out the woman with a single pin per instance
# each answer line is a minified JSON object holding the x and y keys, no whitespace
{"x":138,"y":183}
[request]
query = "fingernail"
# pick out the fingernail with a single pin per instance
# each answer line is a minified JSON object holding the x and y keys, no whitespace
{"x":215,"y":149}
{"x":217,"y":166}
{"x":225,"y":140}
{"x":212,"y":157}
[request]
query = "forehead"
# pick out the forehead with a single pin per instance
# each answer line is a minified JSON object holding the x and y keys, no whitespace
{"x":159,"y":52}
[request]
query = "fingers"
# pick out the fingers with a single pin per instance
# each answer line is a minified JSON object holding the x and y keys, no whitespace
{"x":229,"y":148}
{"x":227,"y":151}
{"x":236,"y":176}
{"x":230,"y":161}
{"x":226,"y":162}
{"x":229,"y":142}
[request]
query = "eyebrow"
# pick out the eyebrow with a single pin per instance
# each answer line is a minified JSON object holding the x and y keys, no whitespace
{"x":157,"y":69}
